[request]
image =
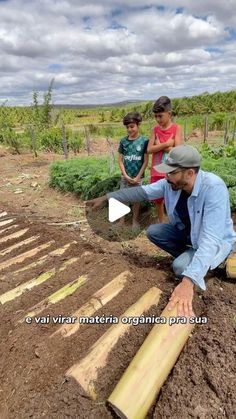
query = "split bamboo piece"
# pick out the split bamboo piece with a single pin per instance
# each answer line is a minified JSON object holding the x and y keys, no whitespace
{"x":20,"y":289}
{"x":231,"y":265}
{"x":17,"y":245}
{"x":59,"y":295}
{"x":57,"y":252}
{"x":4,"y":230}
{"x":16,"y":292}
{"x":5,"y":222}
{"x":15,"y":235}
{"x":97,"y":301}
{"x":25,"y":255}
{"x":85,"y":372}
{"x":3,"y":214}
{"x":143,"y":379}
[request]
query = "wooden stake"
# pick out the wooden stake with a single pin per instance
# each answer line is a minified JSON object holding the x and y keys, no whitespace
{"x":85,"y":371}
{"x":143,"y":379}
{"x":98,"y":300}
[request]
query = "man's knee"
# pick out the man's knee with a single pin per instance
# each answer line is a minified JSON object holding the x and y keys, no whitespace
{"x":150,"y":232}
{"x":155,"y":232}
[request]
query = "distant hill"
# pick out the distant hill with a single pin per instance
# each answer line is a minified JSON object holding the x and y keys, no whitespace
{"x":105,"y":105}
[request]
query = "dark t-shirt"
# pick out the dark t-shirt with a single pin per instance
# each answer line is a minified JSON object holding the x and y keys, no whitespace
{"x":182,"y":210}
{"x":133,"y":154}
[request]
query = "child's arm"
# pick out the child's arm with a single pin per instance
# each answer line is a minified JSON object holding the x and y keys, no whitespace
{"x":154,"y":148}
{"x":178,"y":140}
{"x":122,"y":167}
{"x":137,"y":178}
{"x":179,"y":136}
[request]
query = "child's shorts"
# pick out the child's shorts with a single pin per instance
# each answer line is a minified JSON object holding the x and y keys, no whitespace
{"x":153,"y":180}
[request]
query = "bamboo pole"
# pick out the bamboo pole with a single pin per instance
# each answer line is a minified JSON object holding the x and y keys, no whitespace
{"x":25,"y":255}
{"x":143,"y":379}
{"x":86,"y":371}
{"x":97,"y":301}
{"x":57,"y":296}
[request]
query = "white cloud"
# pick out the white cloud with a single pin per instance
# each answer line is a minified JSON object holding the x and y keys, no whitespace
{"x":113,"y":50}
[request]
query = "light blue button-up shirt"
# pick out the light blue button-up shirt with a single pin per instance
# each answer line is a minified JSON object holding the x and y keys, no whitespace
{"x":212,"y":232}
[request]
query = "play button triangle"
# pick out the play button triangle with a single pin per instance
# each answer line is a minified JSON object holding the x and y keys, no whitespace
{"x":116,"y":210}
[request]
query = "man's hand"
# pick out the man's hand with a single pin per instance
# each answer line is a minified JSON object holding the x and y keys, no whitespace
{"x":183,"y":297}
{"x":97,"y":202}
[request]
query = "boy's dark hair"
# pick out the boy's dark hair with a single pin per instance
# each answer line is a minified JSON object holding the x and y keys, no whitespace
{"x":163,"y":104}
{"x":132,"y":117}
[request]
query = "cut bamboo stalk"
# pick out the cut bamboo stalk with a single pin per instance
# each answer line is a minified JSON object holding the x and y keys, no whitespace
{"x":40,"y":261}
{"x":15,"y":235}
{"x":97,"y":301}
{"x":143,"y":379}
{"x":20,"y":289}
{"x":5,"y":222}
{"x":3,"y":214}
{"x":85,"y":371}
{"x":17,"y":245}
{"x":25,"y":255}
{"x":8,"y":228}
{"x":57,"y":296}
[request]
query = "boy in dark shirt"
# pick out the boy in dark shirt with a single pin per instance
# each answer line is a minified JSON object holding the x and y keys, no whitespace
{"x":133,"y":158}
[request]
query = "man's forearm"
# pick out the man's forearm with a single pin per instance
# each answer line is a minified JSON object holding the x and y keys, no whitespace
{"x":135,"y":194}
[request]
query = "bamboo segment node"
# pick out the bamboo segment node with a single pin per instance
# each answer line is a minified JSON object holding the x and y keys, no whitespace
{"x":144,"y":377}
{"x":97,"y":301}
{"x":86,"y":371}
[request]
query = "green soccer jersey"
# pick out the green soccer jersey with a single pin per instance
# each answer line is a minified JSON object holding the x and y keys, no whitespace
{"x":133,"y":154}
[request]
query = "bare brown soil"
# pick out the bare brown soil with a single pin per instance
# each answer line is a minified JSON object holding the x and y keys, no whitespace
{"x":33,"y":365}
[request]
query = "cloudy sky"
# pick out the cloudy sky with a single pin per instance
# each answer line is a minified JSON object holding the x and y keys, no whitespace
{"x":112,"y":50}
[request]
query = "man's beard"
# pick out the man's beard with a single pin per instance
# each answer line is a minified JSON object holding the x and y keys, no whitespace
{"x":179,"y":185}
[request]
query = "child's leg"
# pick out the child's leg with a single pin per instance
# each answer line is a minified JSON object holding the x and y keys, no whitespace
{"x":135,"y":209}
{"x":160,"y":212}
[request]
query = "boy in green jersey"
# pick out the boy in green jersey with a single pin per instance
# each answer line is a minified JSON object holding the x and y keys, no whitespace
{"x":133,"y":158}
